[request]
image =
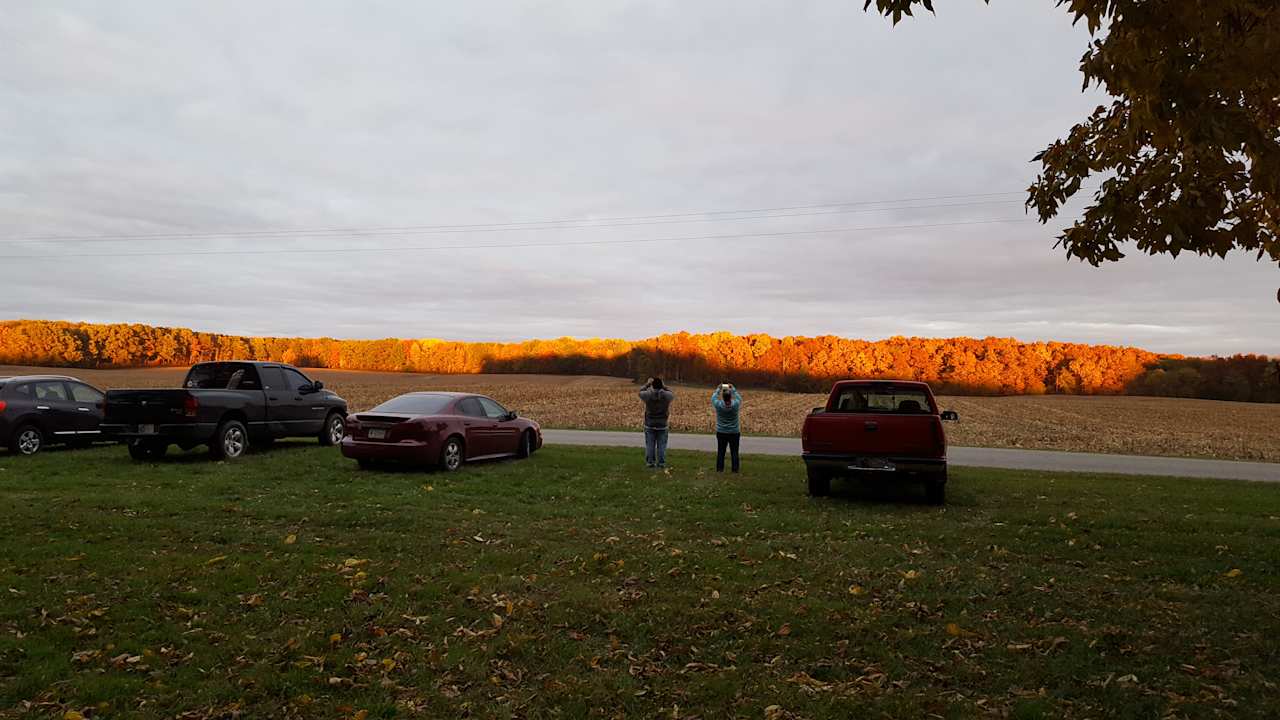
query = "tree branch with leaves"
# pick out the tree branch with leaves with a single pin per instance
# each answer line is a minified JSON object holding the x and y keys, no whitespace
{"x":1189,"y":148}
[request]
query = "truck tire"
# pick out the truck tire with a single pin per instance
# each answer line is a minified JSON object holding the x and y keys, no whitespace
{"x":819,"y":482}
{"x":335,"y":426}
{"x":142,"y":450}
{"x":26,"y":440}
{"x":453,"y":454}
{"x":230,"y":442}
{"x":935,"y":489}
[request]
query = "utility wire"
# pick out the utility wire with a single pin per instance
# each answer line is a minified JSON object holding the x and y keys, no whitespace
{"x":570,"y":243}
{"x":383,"y":232}
{"x":567,"y":223}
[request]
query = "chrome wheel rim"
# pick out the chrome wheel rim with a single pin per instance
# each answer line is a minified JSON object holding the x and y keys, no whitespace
{"x":335,"y":430}
{"x":29,"y":441}
{"x":452,"y":455}
{"x":233,"y":442}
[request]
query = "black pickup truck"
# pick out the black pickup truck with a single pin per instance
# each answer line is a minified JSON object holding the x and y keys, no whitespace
{"x":227,"y":406}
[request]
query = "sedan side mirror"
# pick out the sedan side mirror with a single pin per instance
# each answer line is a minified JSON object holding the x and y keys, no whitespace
{"x":511,"y":415}
{"x":317,"y":386}
{"x":817,"y":410}
{"x":950,"y":416}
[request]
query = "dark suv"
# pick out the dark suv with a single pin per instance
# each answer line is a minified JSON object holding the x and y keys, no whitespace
{"x":39,"y":410}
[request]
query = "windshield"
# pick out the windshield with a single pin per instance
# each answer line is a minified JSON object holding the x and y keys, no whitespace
{"x":225,"y":375}
{"x":886,"y":399}
{"x":415,"y":404}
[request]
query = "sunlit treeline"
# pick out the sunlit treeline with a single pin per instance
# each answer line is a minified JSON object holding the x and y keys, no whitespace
{"x":966,"y":365}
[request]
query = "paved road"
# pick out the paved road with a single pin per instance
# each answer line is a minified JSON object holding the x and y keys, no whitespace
{"x":965,"y":456}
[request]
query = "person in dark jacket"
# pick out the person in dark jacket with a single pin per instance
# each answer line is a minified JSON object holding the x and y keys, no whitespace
{"x":727,"y":403}
{"x":657,"y":409}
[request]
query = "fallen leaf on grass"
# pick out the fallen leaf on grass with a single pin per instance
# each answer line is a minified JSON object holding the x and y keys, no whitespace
{"x":1233,"y":573}
{"x":855,"y":590}
{"x":215,"y":560}
{"x":785,"y":630}
{"x":72,"y":715}
{"x":290,"y":539}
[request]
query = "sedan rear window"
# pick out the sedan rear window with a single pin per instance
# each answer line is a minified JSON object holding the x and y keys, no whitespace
{"x":882,"y":399}
{"x":415,"y":404}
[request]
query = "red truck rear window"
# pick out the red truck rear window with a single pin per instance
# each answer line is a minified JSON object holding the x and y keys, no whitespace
{"x":864,"y":399}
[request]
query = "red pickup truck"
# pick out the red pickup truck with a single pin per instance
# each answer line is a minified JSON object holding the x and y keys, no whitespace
{"x":889,"y":428}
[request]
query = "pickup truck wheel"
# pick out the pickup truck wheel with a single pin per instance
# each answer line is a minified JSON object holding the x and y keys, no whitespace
{"x":819,"y":482}
{"x":334,"y":428}
{"x":230,"y":442}
{"x":935,"y":490}
{"x":26,"y":440}
{"x":451,"y":454}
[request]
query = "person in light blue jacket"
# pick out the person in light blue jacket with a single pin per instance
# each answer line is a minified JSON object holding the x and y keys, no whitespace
{"x":727,"y":402}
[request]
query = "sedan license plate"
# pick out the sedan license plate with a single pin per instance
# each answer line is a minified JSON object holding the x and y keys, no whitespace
{"x":377,"y":434}
{"x":146,"y":429}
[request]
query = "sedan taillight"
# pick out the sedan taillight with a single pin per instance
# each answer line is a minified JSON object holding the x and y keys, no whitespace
{"x":3,"y":405}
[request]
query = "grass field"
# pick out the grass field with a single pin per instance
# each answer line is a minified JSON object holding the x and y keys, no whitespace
{"x":579,"y":584}
{"x":1125,"y":425}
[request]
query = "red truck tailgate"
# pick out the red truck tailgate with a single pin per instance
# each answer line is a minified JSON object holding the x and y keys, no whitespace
{"x":874,"y":434}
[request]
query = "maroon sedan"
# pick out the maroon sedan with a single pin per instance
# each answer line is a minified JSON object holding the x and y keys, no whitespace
{"x":438,"y":428}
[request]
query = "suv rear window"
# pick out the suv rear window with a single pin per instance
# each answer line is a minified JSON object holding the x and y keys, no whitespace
{"x":864,"y":399}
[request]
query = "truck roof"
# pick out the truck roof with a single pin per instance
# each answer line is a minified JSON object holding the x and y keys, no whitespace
{"x":900,"y":383}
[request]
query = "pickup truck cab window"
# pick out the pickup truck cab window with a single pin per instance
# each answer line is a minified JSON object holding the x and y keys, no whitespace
{"x":882,"y":400}
{"x":295,"y":379}
{"x":272,"y":378}
{"x":224,"y":376}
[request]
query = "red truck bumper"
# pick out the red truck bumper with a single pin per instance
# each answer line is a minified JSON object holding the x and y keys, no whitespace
{"x":841,"y":464}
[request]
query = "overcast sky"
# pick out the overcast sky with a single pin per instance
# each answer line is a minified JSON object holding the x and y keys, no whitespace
{"x":171,"y":118}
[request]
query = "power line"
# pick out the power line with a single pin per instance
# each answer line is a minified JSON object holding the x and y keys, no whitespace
{"x":567,"y":223}
{"x":570,"y":243}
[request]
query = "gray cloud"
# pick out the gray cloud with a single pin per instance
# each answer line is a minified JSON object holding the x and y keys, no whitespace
{"x":190,"y":117}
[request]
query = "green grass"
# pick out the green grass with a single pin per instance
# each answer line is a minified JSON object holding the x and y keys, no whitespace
{"x":580,"y":584}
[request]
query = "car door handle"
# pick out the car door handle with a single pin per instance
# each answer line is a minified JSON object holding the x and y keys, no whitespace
{"x":272,"y":398}
{"x":42,"y":407}
{"x":871,"y":427}
{"x":83,"y":409}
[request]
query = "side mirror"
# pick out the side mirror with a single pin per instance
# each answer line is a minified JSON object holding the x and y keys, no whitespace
{"x":950,"y":416}
{"x":817,"y":410}
{"x":317,"y":386}
{"x":511,"y":415}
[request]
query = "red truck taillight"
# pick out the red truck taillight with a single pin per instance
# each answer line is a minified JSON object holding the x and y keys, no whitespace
{"x":3,"y":405}
{"x":190,"y":405}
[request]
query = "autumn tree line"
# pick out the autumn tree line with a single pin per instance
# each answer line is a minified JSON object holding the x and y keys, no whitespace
{"x":988,"y":366}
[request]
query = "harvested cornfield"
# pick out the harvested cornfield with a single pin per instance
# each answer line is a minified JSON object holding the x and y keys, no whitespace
{"x":1128,"y":425}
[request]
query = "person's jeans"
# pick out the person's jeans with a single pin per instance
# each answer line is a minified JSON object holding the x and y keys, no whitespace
{"x":729,"y":440}
{"x":655,"y":447}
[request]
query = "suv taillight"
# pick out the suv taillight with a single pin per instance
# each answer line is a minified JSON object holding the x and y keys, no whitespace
{"x":190,"y":405}
{"x":3,"y":405}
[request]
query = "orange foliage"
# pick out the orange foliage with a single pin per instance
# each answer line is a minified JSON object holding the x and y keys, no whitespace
{"x":990,"y":366}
